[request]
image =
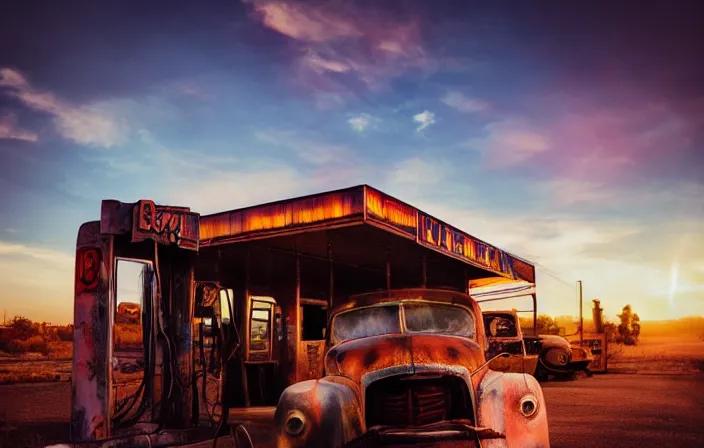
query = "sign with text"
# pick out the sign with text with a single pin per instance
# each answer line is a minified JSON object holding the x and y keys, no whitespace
{"x":445,"y":238}
{"x":166,"y":225}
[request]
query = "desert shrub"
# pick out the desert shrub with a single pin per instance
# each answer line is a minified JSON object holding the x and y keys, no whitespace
{"x":5,"y":338}
{"x":65,"y":333}
{"x":547,"y":325}
{"x":16,"y":347}
{"x":22,"y":328}
{"x":628,"y":331}
{"x":36,"y":344}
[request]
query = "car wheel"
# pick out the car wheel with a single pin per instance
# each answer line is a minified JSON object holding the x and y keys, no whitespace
{"x":541,"y":374}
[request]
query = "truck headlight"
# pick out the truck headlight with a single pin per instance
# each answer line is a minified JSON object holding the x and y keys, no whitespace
{"x":528,"y":406}
{"x":295,"y":423}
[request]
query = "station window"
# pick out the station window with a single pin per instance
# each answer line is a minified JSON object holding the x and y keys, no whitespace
{"x":260,"y":328}
{"x":224,"y":307}
{"x":313,"y":322}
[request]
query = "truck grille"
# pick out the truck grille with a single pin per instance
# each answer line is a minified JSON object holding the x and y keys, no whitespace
{"x":416,"y":401}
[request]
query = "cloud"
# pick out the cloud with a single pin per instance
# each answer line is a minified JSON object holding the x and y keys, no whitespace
{"x":604,"y":250}
{"x":10,"y":230}
{"x":369,"y":46}
{"x":425,"y":118}
{"x":309,"y":148}
{"x":565,"y":191}
{"x":90,"y":125}
{"x":604,"y":141}
{"x":463,"y":103}
{"x":361,"y":122}
{"x":415,"y":171}
{"x":509,"y":143}
{"x":9,"y":130}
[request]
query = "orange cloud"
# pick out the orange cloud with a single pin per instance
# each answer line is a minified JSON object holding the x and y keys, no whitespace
{"x":337,"y":38}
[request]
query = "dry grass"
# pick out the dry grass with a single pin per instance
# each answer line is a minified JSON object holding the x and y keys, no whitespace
{"x":684,"y":353}
{"x":60,"y":350}
{"x":128,"y":335}
{"x":34,"y":371}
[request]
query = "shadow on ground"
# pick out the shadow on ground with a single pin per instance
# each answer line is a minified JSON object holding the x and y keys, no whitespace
{"x":32,"y":435}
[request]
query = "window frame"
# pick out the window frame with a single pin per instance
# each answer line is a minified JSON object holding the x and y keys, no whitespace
{"x":270,"y":310}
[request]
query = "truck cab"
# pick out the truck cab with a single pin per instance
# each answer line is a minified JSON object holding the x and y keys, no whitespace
{"x":504,"y":335}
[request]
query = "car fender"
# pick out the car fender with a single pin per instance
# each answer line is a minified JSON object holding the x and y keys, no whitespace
{"x":330,"y":408}
{"x":500,"y":396}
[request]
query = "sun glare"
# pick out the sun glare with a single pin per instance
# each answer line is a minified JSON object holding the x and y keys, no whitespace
{"x":673,"y":287}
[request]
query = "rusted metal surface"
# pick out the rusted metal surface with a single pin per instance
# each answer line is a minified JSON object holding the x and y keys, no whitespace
{"x":597,"y":344}
{"x":391,"y":212}
{"x":499,"y":396}
{"x":447,"y":239}
{"x":310,"y":364}
{"x":98,"y":246}
{"x":91,"y":377}
{"x":166,"y":225}
{"x":296,"y":213}
{"x":510,"y":342}
{"x":146,"y":220}
{"x":388,"y":379}
{"x":354,"y":206}
{"x":330,"y":409}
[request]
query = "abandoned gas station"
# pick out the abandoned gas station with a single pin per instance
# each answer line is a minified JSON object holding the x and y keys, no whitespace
{"x":235,"y":306}
{"x":303,"y":256}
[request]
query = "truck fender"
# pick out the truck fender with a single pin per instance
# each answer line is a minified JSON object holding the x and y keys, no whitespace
{"x":323,"y":413}
{"x":512,"y":404}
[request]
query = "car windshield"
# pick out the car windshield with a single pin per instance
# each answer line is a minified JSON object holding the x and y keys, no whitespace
{"x":420,"y":317}
{"x":441,"y":319}
{"x":366,"y":322}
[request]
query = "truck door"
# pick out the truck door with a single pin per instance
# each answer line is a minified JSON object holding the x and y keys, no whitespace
{"x":311,"y":354}
{"x":133,"y":308}
{"x":504,"y":335}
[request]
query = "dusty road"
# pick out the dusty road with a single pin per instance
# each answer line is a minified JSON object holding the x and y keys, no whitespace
{"x":639,"y":411}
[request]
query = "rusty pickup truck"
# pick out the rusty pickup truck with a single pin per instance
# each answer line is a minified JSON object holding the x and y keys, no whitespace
{"x":410,"y":366}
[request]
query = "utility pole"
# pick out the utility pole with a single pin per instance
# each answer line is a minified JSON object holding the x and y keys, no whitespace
{"x":581,"y":316}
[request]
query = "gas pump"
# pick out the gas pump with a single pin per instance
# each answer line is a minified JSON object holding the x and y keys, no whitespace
{"x":132,"y":361}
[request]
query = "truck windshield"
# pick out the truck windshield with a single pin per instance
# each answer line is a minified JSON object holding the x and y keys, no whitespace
{"x":440,"y":319}
{"x":420,"y":318}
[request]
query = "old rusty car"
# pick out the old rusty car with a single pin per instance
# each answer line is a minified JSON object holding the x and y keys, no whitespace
{"x":409,"y":366}
{"x":557,"y":356}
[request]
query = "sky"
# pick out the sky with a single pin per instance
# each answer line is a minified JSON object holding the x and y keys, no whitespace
{"x":569,"y":134}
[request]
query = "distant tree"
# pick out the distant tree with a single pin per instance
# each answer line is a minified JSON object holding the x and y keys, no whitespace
{"x":629,"y":328}
{"x":65,"y":333}
{"x":546,"y":325}
{"x":22,"y":328}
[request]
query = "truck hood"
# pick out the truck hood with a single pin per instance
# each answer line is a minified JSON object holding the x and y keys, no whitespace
{"x":354,"y":359}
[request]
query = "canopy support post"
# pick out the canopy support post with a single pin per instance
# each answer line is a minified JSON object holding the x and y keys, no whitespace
{"x":535,"y":314}
{"x":331,"y":275}
{"x":424,"y":271}
{"x":245,"y":324}
{"x":388,"y":270}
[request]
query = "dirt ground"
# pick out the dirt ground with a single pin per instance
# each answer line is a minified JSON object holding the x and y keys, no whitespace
{"x":639,"y":411}
{"x":659,"y":354}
